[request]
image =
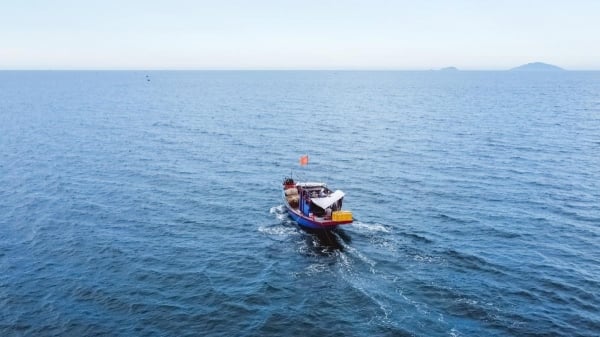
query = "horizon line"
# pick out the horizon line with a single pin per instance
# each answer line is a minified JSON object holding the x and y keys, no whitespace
{"x":283,"y":69}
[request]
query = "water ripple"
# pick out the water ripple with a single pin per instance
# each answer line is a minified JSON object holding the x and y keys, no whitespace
{"x":136,"y":208}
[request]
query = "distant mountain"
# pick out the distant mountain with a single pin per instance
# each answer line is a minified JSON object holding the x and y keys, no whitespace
{"x":537,"y":66}
{"x":449,"y":69}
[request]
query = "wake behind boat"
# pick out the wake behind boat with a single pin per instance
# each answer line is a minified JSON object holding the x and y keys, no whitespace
{"x":313,"y":205}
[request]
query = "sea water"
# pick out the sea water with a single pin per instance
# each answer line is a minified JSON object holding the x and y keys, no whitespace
{"x":147,"y":203}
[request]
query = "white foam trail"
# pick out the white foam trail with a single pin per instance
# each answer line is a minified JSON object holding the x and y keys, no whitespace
{"x":280,"y":212}
{"x":370,"y":227}
{"x":315,"y":268}
{"x":348,"y":272}
{"x":355,"y":252}
{"x":277,"y":230}
{"x":358,"y":283}
{"x":345,"y":261}
{"x":454,"y":332}
{"x":426,"y":259}
{"x":361,"y":257}
{"x":277,"y":209}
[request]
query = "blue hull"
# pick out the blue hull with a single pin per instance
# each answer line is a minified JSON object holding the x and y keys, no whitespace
{"x":309,"y":221}
{"x":302,"y":221}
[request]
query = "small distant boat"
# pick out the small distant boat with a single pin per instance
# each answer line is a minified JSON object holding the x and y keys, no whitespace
{"x":313,"y":205}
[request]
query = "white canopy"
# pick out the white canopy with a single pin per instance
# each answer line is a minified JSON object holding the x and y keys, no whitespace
{"x":311,"y":184}
{"x":329,"y":200}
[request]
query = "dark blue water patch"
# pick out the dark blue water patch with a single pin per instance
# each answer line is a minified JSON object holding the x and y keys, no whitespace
{"x":136,"y":208}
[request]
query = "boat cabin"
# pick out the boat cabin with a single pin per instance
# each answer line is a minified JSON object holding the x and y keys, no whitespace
{"x":315,"y":199}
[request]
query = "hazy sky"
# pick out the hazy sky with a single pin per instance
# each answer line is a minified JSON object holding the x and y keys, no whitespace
{"x":263,"y":34}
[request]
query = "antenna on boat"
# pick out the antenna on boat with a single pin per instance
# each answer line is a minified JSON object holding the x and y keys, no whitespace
{"x":327,"y":173}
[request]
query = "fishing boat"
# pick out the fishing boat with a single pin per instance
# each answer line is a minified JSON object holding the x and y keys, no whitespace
{"x":313,"y":205}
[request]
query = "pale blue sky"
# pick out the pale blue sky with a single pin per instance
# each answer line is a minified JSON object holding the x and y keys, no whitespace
{"x":325,"y":34}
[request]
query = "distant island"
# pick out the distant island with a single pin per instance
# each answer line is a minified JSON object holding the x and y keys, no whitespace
{"x":537,"y":66}
{"x":449,"y":69}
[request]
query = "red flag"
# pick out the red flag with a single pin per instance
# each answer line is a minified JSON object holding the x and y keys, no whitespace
{"x":304,"y":160}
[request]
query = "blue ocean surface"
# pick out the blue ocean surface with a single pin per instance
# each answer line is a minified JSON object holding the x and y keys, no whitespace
{"x":148,"y":203}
